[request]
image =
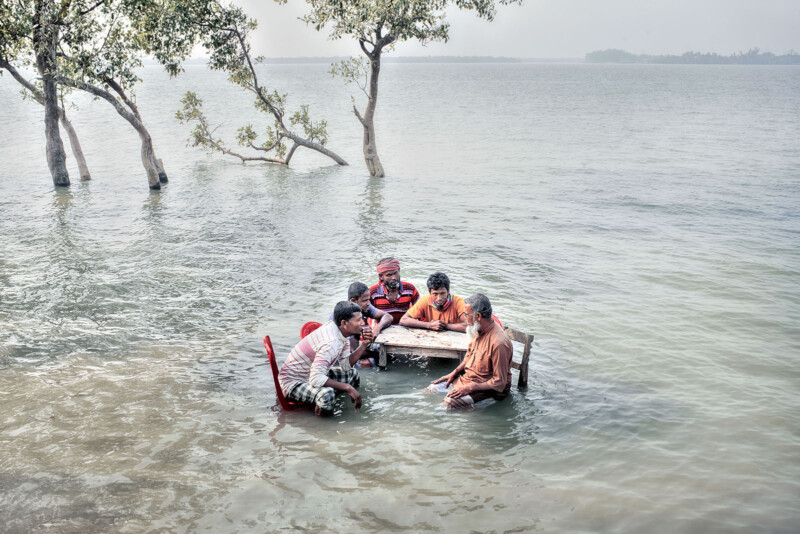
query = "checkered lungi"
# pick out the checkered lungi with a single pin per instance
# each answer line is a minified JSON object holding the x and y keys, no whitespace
{"x":323,"y":396}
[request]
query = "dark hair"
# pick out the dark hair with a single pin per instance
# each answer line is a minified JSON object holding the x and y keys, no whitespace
{"x":387,"y":258}
{"x":356,"y":289}
{"x":344,"y":311}
{"x":480,"y":304}
{"x":438,"y":280}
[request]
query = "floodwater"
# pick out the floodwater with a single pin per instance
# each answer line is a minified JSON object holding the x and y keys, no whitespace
{"x":641,"y":221}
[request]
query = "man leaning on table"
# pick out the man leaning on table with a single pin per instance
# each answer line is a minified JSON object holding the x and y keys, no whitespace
{"x":439,"y":310}
{"x":485,"y":372}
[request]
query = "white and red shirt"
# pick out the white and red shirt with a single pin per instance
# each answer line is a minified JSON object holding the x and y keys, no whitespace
{"x":311,"y":359}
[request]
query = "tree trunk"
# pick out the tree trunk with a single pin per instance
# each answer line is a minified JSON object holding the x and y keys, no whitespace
{"x":368,"y":121}
{"x":77,"y":151}
{"x":37,"y":95}
{"x":148,"y":156}
{"x":149,"y":160}
{"x":162,"y":174}
{"x":302,"y":141}
{"x":45,"y":39}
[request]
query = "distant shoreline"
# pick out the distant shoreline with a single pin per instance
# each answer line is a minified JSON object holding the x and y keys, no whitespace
{"x":614,"y":56}
{"x":752,"y":57}
{"x":401,"y":59}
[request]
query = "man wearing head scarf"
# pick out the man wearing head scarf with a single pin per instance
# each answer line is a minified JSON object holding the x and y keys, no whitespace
{"x":391,"y":294}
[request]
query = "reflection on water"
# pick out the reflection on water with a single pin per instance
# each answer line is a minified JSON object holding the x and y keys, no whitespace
{"x":656,"y":269}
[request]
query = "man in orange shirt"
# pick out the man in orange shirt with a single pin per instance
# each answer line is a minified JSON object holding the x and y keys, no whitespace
{"x":485,"y":372}
{"x":439,"y":310}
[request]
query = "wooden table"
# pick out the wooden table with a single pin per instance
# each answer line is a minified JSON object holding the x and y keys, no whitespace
{"x":420,"y":342}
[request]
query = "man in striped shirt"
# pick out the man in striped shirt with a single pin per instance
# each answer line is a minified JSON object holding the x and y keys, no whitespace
{"x":322,"y":363}
{"x":392,"y":295}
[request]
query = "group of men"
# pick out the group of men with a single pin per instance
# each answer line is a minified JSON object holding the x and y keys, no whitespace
{"x":326,"y":360}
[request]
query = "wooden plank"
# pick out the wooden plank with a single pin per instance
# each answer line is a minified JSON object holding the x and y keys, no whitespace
{"x":527,"y":341}
{"x":419,"y":342}
{"x":400,"y":336}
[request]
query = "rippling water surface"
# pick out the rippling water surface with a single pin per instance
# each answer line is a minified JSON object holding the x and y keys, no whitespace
{"x":640,"y":221}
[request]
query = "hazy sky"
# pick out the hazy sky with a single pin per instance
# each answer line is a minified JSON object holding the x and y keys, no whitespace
{"x":563,"y":29}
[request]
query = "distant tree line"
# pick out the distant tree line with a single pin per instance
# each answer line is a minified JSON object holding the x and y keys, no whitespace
{"x":752,"y":57}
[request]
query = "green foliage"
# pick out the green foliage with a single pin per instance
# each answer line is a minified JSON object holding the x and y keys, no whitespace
{"x":314,"y":131}
{"x":192,"y":112}
{"x":398,"y":20}
{"x":16,"y":27}
{"x":103,"y":40}
{"x":353,"y":69}
{"x":224,"y":33}
{"x":191,"y":108}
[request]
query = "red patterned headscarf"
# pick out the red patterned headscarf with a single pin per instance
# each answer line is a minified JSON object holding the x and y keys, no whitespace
{"x":388,"y":265}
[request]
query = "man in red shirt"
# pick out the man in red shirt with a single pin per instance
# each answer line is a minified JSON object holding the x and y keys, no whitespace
{"x":485,"y":372}
{"x":391,"y":294}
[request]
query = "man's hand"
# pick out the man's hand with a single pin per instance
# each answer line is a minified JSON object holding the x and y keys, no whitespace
{"x":355,"y":396}
{"x":366,"y":335}
{"x":437,"y":325}
{"x":458,"y":392}
{"x":442,"y":379}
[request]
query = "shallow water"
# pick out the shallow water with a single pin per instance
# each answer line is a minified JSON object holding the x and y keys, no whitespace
{"x":640,"y":221}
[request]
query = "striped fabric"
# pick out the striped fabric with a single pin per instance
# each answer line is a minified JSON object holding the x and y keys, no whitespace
{"x":312,"y":358}
{"x":408,"y":296}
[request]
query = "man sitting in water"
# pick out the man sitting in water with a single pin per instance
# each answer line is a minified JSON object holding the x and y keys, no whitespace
{"x":439,"y":310}
{"x":358,"y":293}
{"x":485,"y":372}
{"x":322,"y":362}
{"x":392,"y":295}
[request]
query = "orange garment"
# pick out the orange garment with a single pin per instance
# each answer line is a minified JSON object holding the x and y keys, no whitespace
{"x":423,"y":310}
{"x":488,"y":360}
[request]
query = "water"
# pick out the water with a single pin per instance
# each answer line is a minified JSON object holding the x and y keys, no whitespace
{"x":641,"y":221}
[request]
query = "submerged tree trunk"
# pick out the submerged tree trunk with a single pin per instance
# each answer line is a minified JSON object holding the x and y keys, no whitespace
{"x":148,"y":156}
{"x":77,"y":151}
{"x":302,"y":141}
{"x":368,"y":120}
{"x":37,"y":95}
{"x":45,"y":39}
{"x":149,"y":160}
{"x":370,"y":147}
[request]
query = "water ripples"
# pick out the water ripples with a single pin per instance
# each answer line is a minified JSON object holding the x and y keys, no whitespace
{"x":623,"y":217}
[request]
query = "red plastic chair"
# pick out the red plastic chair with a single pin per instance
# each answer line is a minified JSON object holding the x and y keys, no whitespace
{"x":285,"y":404}
{"x":308,"y":328}
{"x":497,"y":320}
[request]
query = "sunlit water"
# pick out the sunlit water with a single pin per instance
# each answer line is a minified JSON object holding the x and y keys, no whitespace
{"x":640,"y":221}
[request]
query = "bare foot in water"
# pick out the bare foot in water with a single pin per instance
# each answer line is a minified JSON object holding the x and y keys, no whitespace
{"x":366,"y":362}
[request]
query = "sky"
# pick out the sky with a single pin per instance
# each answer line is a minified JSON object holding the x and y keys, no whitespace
{"x":562,"y":29}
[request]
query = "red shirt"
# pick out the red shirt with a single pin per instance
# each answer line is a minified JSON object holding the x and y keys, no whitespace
{"x":407,"y":297}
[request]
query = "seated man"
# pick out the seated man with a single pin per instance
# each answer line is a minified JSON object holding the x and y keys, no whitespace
{"x":485,"y":372}
{"x":322,"y":362}
{"x":358,"y":293}
{"x":392,"y":295}
{"x":439,"y":310}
